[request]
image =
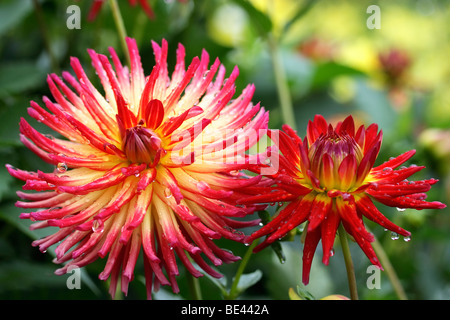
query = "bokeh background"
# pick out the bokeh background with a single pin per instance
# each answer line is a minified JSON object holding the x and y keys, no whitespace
{"x":333,"y":64}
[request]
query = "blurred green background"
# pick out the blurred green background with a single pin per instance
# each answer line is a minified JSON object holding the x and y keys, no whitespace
{"x":333,"y":64}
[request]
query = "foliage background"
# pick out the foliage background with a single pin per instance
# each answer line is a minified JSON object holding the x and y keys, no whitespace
{"x":342,"y":76}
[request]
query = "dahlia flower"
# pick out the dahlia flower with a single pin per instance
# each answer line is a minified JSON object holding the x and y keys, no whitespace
{"x":328,"y":179}
{"x":154,"y":164}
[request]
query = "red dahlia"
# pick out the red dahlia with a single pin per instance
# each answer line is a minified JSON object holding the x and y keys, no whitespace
{"x":328,"y":179}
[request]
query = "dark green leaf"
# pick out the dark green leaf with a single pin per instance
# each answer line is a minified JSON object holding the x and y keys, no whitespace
{"x":12,"y":12}
{"x":249,"y":279}
{"x":19,"y":76}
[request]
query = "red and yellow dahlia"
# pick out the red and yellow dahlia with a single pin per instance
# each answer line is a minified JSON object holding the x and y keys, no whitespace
{"x":151,"y":163}
{"x":328,"y":179}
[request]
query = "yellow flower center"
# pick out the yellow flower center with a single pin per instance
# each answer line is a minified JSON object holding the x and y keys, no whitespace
{"x":334,"y":160}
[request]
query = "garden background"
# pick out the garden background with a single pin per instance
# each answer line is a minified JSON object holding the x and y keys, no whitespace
{"x":320,"y":56}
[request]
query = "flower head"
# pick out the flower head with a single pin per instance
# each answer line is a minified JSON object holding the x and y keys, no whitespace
{"x":394,"y":64}
{"x":142,"y":166}
{"x":328,"y":179}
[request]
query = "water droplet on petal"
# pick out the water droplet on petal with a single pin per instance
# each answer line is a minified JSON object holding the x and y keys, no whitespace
{"x":387,"y":169}
{"x":407,"y":239}
{"x":394,"y":235}
{"x":234,"y":173}
{"x":401,"y":209}
{"x":167,"y":193}
{"x":98,"y":225}
{"x":332,"y":252}
{"x":61,"y":167}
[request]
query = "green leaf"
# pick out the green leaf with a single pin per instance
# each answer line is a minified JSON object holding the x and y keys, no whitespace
{"x":304,"y":294}
{"x":19,"y":76}
{"x":5,"y":182}
{"x":24,"y":275}
{"x":12,"y":12}
{"x":260,"y":21}
{"x":302,"y":10}
{"x":10,"y":213}
{"x":249,"y":279}
{"x":220,"y":283}
{"x":327,"y":71}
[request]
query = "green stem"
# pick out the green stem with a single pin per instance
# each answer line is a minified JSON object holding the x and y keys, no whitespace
{"x":348,"y":263}
{"x":389,"y":269}
{"x":281,"y":83}
{"x":194,"y":287}
{"x":233,"y":294}
{"x":120,"y":28}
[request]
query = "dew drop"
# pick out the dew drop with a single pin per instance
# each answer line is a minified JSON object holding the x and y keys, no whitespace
{"x":97,"y":226}
{"x":387,"y":169}
{"x":407,"y":239}
{"x":401,"y":209}
{"x":332,"y":252}
{"x":234,"y":173}
{"x":394,"y":236}
{"x":49,"y":136}
{"x":61,"y":167}
{"x":167,"y":193}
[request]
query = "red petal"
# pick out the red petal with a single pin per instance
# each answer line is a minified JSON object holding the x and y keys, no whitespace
{"x":348,"y":213}
{"x":347,"y":126}
{"x":370,"y":211}
{"x":395,"y":162}
{"x":321,"y":207}
{"x":329,"y":227}
{"x":346,"y":171}
{"x":311,"y":241}
{"x":153,"y":114}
